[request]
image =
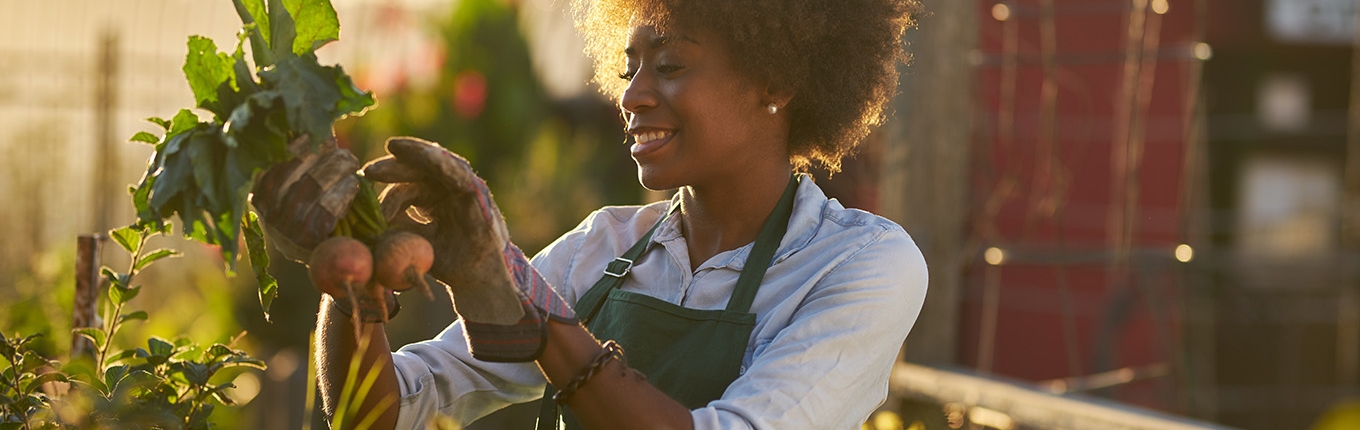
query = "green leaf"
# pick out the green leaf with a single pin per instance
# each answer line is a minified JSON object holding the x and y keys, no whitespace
{"x":173,"y":174}
{"x":281,"y":31}
{"x":162,"y":228}
{"x":30,"y":338}
{"x":145,"y":137}
{"x":309,"y":94}
{"x":184,"y":120}
{"x":155,"y":255}
{"x":256,"y":22}
{"x":141,"y":200}
{"x":353,"y":101}
{"x":31,"y":362}
{"x":314,"y":23}
{"x":222,"y":398}
{"x":257,"y":130}
{"x":135,"y":378}
{"x":139,"y":315}
{"x":115,"y":374}
{"x":95,"y":335}
{"x":245,"y":80}
{"x":192,"y":372}
{"x":158,"y":351}
{"x":115,"y":278}
{"x":120,"y":295}
{"x":207,"y":69}
{"x":160,"y":121}
{"x":124,"y":355}
{"x":259,"y":262}
{"x":227,"y":228}
{"x":203,"y":151}
{"x":158,"y":346}
{"x":36,"y":383}
{"x":218,"y":350}
{"x":243,"y":361}
{"x":127,"y":237}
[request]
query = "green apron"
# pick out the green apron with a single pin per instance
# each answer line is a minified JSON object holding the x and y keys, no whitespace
{"x":691,"y":355}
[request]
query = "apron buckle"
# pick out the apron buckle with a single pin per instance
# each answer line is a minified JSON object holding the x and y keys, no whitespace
{"x":627,"y":265}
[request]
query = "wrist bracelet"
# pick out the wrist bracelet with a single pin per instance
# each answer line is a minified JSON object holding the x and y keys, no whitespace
{"x":370,"y":310}
{"x":611,"y":351}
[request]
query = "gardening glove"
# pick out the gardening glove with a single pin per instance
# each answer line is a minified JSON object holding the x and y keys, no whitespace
{"x":301,"y":201}
{"x":502,"y":299}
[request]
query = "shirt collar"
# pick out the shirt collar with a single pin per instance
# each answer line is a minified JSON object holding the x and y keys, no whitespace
{"x":808,"y":203}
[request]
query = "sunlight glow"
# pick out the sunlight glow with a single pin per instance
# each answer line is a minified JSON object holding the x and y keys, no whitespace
{"x":1160,"y":7}
{"x":990,"y":418}
{"x":1184,"y":253}
{"x":994,"y":256}
{"x":1203,"y":51}
{"x":1001,"y":12}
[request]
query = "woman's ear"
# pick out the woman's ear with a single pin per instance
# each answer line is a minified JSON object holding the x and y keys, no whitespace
{"x":779,"y":95}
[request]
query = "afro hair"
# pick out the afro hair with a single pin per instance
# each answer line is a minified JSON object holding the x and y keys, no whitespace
{"x":839,"y":57}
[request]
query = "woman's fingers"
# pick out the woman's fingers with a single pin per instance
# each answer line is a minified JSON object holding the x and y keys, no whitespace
{"x":402,"y":207}
{"x":447,"y":168}
{"x":391,"y":170}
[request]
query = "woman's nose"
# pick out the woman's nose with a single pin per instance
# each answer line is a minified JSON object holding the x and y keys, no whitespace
{"x":639,"y":95}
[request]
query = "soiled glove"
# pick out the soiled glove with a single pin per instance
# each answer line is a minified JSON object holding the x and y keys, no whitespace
{"x":300,"y":201}
{"x":502,"y":299}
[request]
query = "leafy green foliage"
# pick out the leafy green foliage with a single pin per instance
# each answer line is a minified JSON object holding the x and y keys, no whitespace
{"x":204,"y":169}
{"x":21,"y":397}
{"x":164,"y":384}
{"x":315,"y":24}
{"x":259,"y":261}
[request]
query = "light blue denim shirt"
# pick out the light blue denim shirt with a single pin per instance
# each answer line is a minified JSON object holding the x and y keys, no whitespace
{"x":836,"y":304}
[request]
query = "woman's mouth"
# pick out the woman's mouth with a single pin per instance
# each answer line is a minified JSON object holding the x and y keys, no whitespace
{"x":647,"y":142}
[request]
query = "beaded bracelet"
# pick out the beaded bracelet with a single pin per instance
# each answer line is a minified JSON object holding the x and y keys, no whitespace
{"x":612,"y":351}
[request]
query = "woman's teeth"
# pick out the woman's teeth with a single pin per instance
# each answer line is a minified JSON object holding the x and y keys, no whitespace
{"x":650,"y":136}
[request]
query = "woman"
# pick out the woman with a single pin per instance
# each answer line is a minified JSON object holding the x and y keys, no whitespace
{"x":749,"y":300}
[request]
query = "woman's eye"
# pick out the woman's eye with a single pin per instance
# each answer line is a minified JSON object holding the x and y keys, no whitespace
{"x":667,"y":69}
{"x":628,"y":75}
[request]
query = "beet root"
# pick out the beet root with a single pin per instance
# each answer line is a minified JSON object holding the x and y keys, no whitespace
{"x":402,"y":260}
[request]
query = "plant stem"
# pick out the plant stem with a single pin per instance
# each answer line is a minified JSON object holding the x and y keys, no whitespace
{"x":193,"y":408}
{"x":112,"y":320}
{"x":14,"y":364}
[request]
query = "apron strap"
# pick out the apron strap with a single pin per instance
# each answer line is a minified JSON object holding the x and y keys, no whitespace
{"x":589,"y":304}
{"x":762,"y":253}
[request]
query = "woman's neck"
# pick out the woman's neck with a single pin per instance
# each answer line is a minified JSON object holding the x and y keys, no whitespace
{"x":716,"y":219}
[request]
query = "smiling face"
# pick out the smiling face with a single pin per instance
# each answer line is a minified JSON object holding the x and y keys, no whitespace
{"x":692,"y":119}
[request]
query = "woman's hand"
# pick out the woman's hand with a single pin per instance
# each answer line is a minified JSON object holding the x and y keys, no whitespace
{"x":500,"y":297}
{"x":300,"y":201}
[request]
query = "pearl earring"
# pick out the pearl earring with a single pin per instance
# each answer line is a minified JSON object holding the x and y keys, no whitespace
{"x":773,"y":108}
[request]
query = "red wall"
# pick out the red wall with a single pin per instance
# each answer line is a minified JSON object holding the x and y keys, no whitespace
{"x":1049,"y":205}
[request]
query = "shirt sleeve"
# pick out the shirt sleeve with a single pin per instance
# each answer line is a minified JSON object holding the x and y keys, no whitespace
{"x":829,"y":368}
{"x":440,"y":376}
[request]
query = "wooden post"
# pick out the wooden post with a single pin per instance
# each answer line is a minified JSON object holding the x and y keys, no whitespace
{"x":87,"y":290}
{"x":1348,"y":315}
{"x":924,"y":182}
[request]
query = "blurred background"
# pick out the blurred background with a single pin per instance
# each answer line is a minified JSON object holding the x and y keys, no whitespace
{"x":1137,"y":213}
